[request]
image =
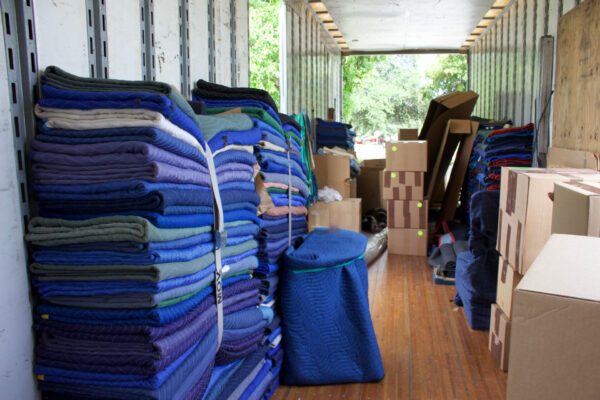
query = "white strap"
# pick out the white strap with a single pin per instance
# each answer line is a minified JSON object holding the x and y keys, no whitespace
{"x":220,"y":241}
{"x":289,"y":149}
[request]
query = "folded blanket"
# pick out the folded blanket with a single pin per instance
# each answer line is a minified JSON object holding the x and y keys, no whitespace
{"x":237,"y":232}
{"x":284,"y":179}
{"x":283,"y":210}
{"x":283,"y":200}
{"x":123,"y":358}
{"x":168,"y":221}
{"x":152,"y":273}
{"x":137,"y":298}
{"x":266,"y":154}
{"x":150,"y":316}
{"x":226,"y":138}
{"x":191,"y":379}
{"x":238,"y":103}
{"x":253,"y":112}
{"x":103,"y":117}
{"x":51,"y":174}
{"x":58,"y":78}
{"x":53,"y":231}
{"x":122,"y":152}
{"x":144,"y":333}
{"x":213,"y":91}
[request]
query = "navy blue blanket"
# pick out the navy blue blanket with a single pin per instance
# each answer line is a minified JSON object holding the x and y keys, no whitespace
{"x":477,"y":270}
{"x":328,"y":333}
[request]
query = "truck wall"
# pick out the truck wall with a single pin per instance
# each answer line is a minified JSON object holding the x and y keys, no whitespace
{"x":310,"y":63}
{"x":504,"y":63}
{"x":189,"y":39}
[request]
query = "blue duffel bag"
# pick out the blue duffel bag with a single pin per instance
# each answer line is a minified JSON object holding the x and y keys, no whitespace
{"x":328,"y":334}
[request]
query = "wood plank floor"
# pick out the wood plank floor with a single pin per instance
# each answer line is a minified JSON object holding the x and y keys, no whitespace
{"x":428,"y":349}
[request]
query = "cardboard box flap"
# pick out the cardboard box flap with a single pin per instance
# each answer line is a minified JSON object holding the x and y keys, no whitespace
{"x":567,"y":266}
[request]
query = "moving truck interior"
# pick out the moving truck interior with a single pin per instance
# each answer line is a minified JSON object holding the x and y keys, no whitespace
{"x":169,"y":231}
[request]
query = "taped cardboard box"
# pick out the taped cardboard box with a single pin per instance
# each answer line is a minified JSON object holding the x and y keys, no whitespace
{"x":406,"y":155}
{"x":334,"y":172}
{"x":508,"y":279}
{"x":554,"y":342}
{"x":525,"y":218}
{"x":345,"y":214}
{"x":369,"y":185}
{"x":576,"y":208}
{"x":408,"y":134}
{"x":499,"y":339}
{"x":412,"y":242}
{"x":407,"y":214}
{"x":402,"y":185}
{"x":565,"y":158}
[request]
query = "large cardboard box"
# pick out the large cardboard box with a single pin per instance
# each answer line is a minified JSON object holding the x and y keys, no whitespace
{"x":369,"y":184}
{"x":406,"y":155}
{"x":408,"y":134}
{"x":407,"y":214}
{"x":565,"y":158}
{"x":554,"y":342}
{"x":401,"y":185}
{"x":345,"y":214}
{"x":525,"y":218}
{"x":412,"y":242}
{"x":499,"y":339}
{"x":455,"y":105}
{"x":576,"y":208}
{"x":508,"y":279}
{"x":334,"y":172}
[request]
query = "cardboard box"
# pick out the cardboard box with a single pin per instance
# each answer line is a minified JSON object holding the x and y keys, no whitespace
{"x":455,"y":105}
{"x":565,"y":158}
{"x":525,"y":218}
{"x":576,"y":208}
{"x":378,"y":163}
{"x":407,"y":155}
{"x":499,"y":339}
{"x":508,"y":279}
{"x":369,"y":186}
{"x":407,"y":214}
{"x":401,"y":185}
{"x":408,"y":134}
{"x":554,"y":342}
{"x":334,"y":172}
{"x":345,"y":214}
{"x":412,"y":242}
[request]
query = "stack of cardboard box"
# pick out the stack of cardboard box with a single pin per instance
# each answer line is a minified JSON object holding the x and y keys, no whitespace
{"x":524,"y":227}
{"x":555,"y":346}
{"x":406,"y":163}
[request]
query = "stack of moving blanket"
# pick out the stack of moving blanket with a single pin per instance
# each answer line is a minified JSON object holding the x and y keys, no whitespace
{"x":282,"y":185}
{"x":477,"y":269}
{"x":510,"y":147}
{"x":332,"y":134}
{"x":124,"y":250}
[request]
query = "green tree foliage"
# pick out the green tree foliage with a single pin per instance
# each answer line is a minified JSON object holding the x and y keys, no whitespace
{"x":264,"y":46}
{"x":385,"y":93}
{"x":447,"y":74}
{"x":385,"y":97}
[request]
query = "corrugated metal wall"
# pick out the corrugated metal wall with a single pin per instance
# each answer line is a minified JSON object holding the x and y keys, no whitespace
{"x":220,"y":26}
{"x":310,"y":63}
{"x":176,"y":41}
{"x":504,"y":63}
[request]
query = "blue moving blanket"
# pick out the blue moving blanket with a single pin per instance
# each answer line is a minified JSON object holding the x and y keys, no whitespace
{"x":328,"y":333}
